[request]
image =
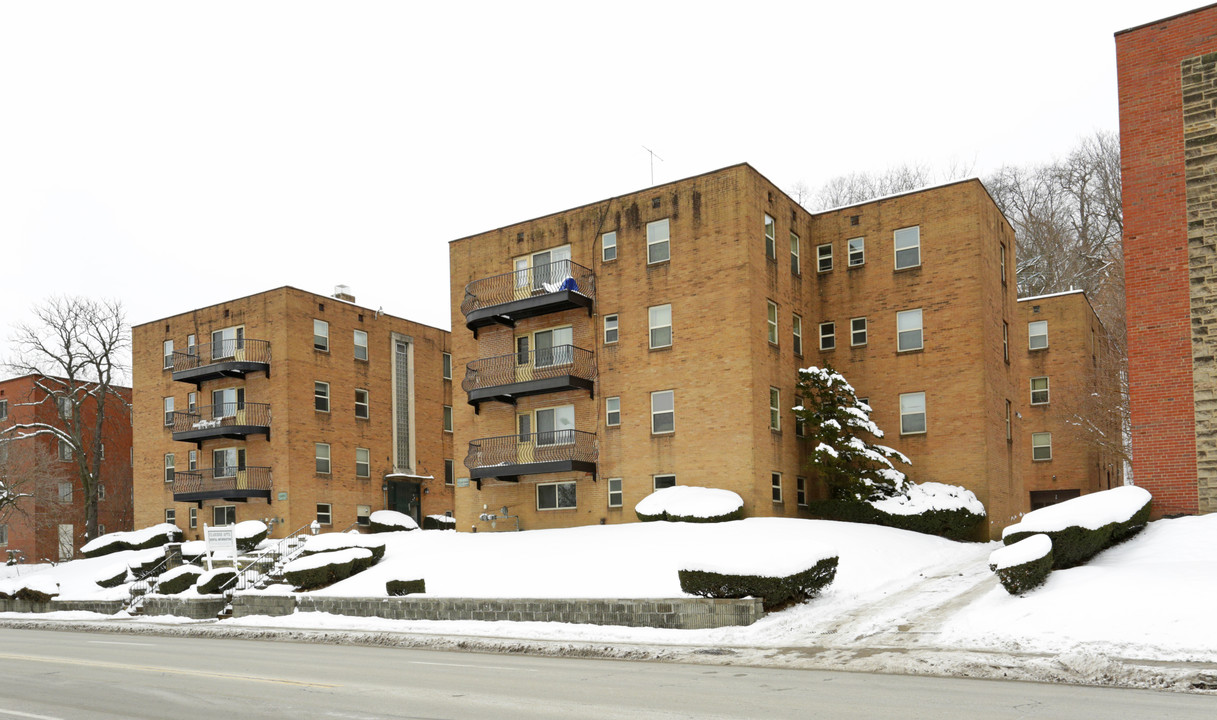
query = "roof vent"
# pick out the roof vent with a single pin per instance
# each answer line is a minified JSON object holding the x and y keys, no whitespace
{"x":343,"y":292}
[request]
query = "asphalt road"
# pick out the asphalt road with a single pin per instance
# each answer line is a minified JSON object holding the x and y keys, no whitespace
{"x":59,"y":674}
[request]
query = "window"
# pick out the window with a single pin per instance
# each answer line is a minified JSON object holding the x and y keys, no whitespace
{"x":194,"y":518}
{"x":4,"y":453}
{"x":101,"y":451}
{"x":663,"y":412}
{"x":449,"y":472}
{"x":168,"y":345}
{"x":363,"y":515}
{"x":608,"y":246}
{"x":192,"y":401}
{"x":170,"y":467}
{"x":224,"y":515}
{"x":447,"y":418}
{"x":795,"y":267}
{"x":552,"y":347}
{"x":610,"y":329}
{"x":615,"y":494}
{"x":361,"y":404}
{"x":824,"y":257}
{"x":192,"y":460}
{"x":659,"y":482}
{"x":3,"y":409}
{"x":363,"y":462}
{"x":1041,"y":446}
{"x":1037,"y":334}
{"x":657,"y":242}
{"x":548,"y":269}
{"x":908,"y":330}
{"x":225,"y":462}
{"x":857,"y":331}
{"x":772,"y":319}
{"x":446,"y":359}
{"x":1003,"y":263}
{"x":828,"y":336}
{"x":227,"y":341}
{"x":1005,"y":340}
{"x":1009,"y":429}
{"x":555,"y":426}
{"x":775,"y":409}
{"x":322,"y":455}
{"x":65,"y":492}
{"x":857,"y":251}
{"x":325,"y":514}
{"x":612,"y":411}
{"x":660,"y":319}
{"x":65,"y":407}
{"x":321,"y":396}
{"x":1039,"y":391}
{"x":556,"y":496}
{"x":168,"y":405}
{"x":771,"y":235}
{"x":800,"y":491}
{"x":361,"y":345}
{"x":796,"y":329}
{"x":171,"y":516}
{"x":3,"y":534}
{"x":101,"y":492}
{"x":908,"y":247}
{"x":775,"y":482}
{"x":321,"y":335}
{"x":912,"y":413}
{"x":65,"y":450}
{"x":192,"y":345}
{"x":800,"y":425}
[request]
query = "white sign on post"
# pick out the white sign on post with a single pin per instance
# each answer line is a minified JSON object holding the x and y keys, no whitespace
{"x":221,"y":543}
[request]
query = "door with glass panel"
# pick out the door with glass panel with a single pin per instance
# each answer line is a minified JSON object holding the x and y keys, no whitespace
{"x":523,"y":359}
{"x":229,"y":403}
{"x":556,"y":426}
{"x":228,"y":343}
{"x":525,"y":441}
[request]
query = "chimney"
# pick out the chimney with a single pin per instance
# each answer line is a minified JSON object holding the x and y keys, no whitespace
{"x":343,"y":292}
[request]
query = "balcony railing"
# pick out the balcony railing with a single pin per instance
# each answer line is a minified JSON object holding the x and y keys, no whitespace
{"x":227,"y":358}
{"x":509,"y":456}
{"x":544,"y":370}
{"x":228,"y":420}
{"x":225,"y":483}
{"x":539,"y":290}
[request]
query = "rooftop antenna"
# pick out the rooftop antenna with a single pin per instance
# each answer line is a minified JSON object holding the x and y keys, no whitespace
{"x":653,"y":158}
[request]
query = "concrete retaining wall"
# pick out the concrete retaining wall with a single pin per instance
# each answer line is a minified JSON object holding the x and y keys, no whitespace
{"x":105,"y":607}
{"x":195,"y":608}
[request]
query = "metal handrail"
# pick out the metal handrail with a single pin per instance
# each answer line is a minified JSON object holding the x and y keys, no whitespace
{"x":277,"y":555}
{"x":236,"y":350}
{"x":204,"y":417}
{"x":246,"y":477}
{"x":539,"y":364}
{"x":531,"y":282}
{"x":143,"y":584}
{"x":541,"y":447}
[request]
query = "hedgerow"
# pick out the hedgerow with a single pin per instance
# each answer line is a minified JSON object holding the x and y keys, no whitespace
{"x":775,"y":592}
{"x":405,"y":587}
{"x":1036,"y":551}
{"x":957,"y":524}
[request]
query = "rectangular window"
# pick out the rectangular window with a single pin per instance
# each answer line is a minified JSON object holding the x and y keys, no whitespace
{"x":171,"y":516}
{"x":556,"y":496}
{"x":322,"y":455}
{"x":775,"y":409}
{"x":192,"y":401}
{"x":321,"y":396}
{"x":912,"y":413}
{"x":363,"y":462}
{"x":857,"y":331}
{"x":608,"y":246}
{"x":828,"y":336}
{"x":771,"y":246}
{"x":168,"y":406}
{"x":1009,"y":429}
{"x":65,"y":450}
{"x":800,"y":425}
{"x":908,"y":247}
{"x":908,"y":330}
{"x":227,"y":341}
{"x":663,"y":412}
{"x":65,"y":407}
{"x":800,"y":491}
{"x":1041,"y":446}
{"x":65,"y":492}
{"x":3,"y":409}
{"x":612,"y":411}
{"x":3,"y":534}
{"x":321,"y":335}
{"x":554,"y":426}
{"x":857,"y":251}
{"x":362,"y":410}
{"x":224,"y":515}
{"x":658,"y":249}
{"x":775,"y":481}
{"x":795,"y":266}
{"x":660,"y":321}
{"x":363,"y":515}
{"x":824,"y":257}
{"x":170,"y":467}
{"x":446,"y":360}
{"x":1005,"y":340}
{"x":1039,"y":391}
{"x":610,"y":329}
{"x":192,"y":345}
{"x":1003,"y":263}
{"x":772,"y":319}
{"x":449,"y":472}
{"x":1037,"y":334}
{"x":325,"y":514}
{"x":168,"y":354}
{"x":192,"y":460}
{"x":659,"y":482}
{"x":226,"y":461}
{"x":615,"y":495}
{"x":361,"y":345}
{"x":796,"y":329}
{"x":194,"y":518}
{"x":447,"y":418}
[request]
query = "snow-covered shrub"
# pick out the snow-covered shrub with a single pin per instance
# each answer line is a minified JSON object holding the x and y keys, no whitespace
{"x":145,"y":564}
{"x":112,"y":576}
{"x":330,"y":542}
{"x":948,"y":511}
{"x":1084,"y":526}
{"x":214,"y":580}
{"x":314,"y":571}
{"x":249,"y":534}
{"x":396,"y":588}
{"x":194,"y":551}
{"x":148,"y":537}
{"x":37,"y":589}
{"x":794,"y":583}
{"x":684,"y":503}
{"x":179,"y":579}
{"x":1024,"y":565}
{"x":439,"y":522}
{"x":390,"y":521}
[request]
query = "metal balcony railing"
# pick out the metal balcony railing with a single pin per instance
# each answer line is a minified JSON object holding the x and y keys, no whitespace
{"x":223,"y":415}
{"x":241,"y":350}
{"x":223,"y":482}
{"x":523,"y":367}
{"x":569,"y":448}
{"x":550,"y":278}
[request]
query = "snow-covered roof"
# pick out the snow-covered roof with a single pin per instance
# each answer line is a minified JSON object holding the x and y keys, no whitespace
{"x":1052,"y":295}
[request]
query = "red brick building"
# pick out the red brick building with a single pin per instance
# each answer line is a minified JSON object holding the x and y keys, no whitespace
{"x":50,"y":523}
{"x":1168,"y":135}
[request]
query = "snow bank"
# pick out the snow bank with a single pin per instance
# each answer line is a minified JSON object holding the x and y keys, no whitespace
{"x":927,"y":496}
{"x":1091,"y":511}
{"x":684,"y":501}
{"x":1020,"y":553}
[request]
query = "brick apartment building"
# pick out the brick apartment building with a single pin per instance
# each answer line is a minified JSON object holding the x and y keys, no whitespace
{"x":290,"y":406}
{"x":50,"y":524}
{"x":654,"y":338}
{"x":1168,"y":137}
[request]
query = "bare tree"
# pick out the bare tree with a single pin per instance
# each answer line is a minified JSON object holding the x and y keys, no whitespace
{"x":76,"y":349}
{"x":859,"y":187}
{"x":29,"y":473}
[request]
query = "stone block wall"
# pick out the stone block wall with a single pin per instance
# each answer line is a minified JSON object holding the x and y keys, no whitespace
{"x":193,"y":608}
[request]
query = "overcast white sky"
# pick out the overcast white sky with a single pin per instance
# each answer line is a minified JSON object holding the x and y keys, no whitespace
{"x":176,"y":155}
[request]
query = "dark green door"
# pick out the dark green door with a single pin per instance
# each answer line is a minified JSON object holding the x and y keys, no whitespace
{"x":404,"y":498}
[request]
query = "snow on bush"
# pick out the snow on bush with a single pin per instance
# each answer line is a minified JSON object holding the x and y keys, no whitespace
{"x":179,"y":579}
{"x":778,"y":584}
{"x":214,"y":580}
{"x":149,"y":537}
{"x":684,"y":503}
{"x":343,"y":541}
{"x":439,"y":522}
{"x":145,"y":562}
{"x":112,"y":576}
{"x":948,"y":511}
{"x":928,"y":496}
{"x":37,"y":588}
{"x":1082,"y":527}
{"x":249,"y":534}
{"x":1024,"y":565}
{"x":314,"y":571}
{"x":391,"y":521}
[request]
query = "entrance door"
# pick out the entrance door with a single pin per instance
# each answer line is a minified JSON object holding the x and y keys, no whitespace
{"x":66,"y":535}
{"x":404,"y":498}
{"x":524,"y":442}
{"x":523,"y":360}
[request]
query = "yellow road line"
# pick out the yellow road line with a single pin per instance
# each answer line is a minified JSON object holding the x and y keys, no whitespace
{"x":155,"y":669}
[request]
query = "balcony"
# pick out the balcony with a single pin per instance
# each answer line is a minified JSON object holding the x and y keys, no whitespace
{"x":225,"y":359}
{"x":541,"y":290}
{"x":545,"y":370}
{"x":222,"y":483}
{"x":510,"y":456}
{"x":236,"y":420}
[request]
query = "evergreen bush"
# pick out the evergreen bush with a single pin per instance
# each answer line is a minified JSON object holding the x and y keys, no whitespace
{"x":1025,"y":576}
{"x":390,"y":521}
{"x":958,"y":524}
{"x":775,"y":592}
{"x":1074,"y":544}
{"x":397,"y":588}
{"x":321,"y":569}
{"x":213,"y":581}
{"x":112,"y":577}
{"x":249,"y":534}
{"x":178,"y":580}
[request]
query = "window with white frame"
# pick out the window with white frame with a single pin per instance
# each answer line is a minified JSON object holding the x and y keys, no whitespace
{"x":659,"y":482}
{"x":1041,"y":446}
{"x":1039,"y":391}
{"x":610,"y":329}
{"x":449,"y":472}
{"x":194,"y":518}
{"x":192,"y":344}
{"x":608,"y":246}
{"x":908,"y":330}
{"x":361,"y":345}
{"x":101,"y":492}
{"x":192,"y":401}
{"x":321,"y":396}
{"x":325,"y":513}
{"x":663,"y":412}
{"x":225,"y":342}
{"x":912,"y":413}
{"x":775,"y":409}
{"x":612,"y":411}
{"x":800,"y":425}
{"x":362,"y":404}
{"x":828,"y":336}
{"x":1009,"y":429}
{"x":65,"y":492}
{"x":771,"y":246}
{"x":1005,"y":340}
{"x":225,"y":462}
{"x":660,"y":321}
{"x":447,"y":418}
{"x":321,"y":335}
{"x":857,"y":331}
{"x":363,"y":462}
{"x":65,"y":406}
{"x":772,"y":321}
{"x":224,"y":515}
{"x":1037,"y":334}
{"x":824,"y":257}
{"x":1003,"y":263}
{"x":65,"y":450}
{"x":555,"y":426}
{"x":795,"y":264}
{"x":3,"y":534}
{"x":363,"y":515}
{"x":800,"y":491}
{"x":857,"y":251}
{"x":3,"y":409}
{"x":168,"y":345}
{"x":171,"y":516}
{"x":615,"y":495}
{"x":556,"y":496}
{"x":658,"y":242}
{"x":775,"y":482}
{"x":907,"y":242}
{"x":321,"y":453}
{"x":796,"y":329}
{"x":192,"y":460}
{"x":170,"y":467}
{"x":446,"y":366}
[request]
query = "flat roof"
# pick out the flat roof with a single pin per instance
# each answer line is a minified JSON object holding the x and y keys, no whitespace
{"x":1166,"y":19}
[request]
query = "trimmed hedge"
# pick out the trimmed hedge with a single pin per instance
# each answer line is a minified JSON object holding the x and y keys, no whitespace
{"x":32,"y":595}
{"x":433,"y":523}
{"x":249,"y":534}
{"x":775,"y":592}
{"x":664,"y":504}
{"x":959,"y":524}
{"x":143,"y":568}
{"x":397,"y":588}
{"x":1074,"y":545}
{"x":390,"y":521}
{"x":376,"y":547}
{"x":1018,"y":579}
{"x":113,"y":577}
{"x":344,"y":564}
{"x":182,"y":581}
{"x":736,"y":514}
{"x":145,"y":539}
{"x":219,"y":578}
